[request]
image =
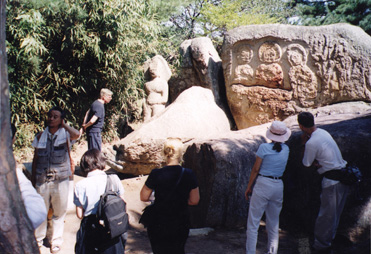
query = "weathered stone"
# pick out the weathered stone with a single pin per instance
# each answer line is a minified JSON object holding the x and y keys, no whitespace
{"x":201,"y":66}
{"x":156,"y":67}
{"x":157,"y":72}
{"x":194,"y":114}
{"x":297,"y":67}
{"x":222,"y":165}
{"x":187,"y":76}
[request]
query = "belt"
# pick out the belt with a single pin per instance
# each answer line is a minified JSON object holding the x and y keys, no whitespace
{"x":273,"y":177}
{"x":335,"y":174}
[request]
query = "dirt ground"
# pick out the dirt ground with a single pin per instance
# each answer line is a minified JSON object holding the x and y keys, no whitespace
{"x":201,"y":241}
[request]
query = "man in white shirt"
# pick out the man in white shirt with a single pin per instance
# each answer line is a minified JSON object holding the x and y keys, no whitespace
{"x":33,"y":202}
{"x":322,"y":151}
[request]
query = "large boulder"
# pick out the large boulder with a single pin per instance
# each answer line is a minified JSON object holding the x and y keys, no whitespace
{"x":274,"y":71}
{"x":201,"y":66}
{"x":223,"y":164}
{"x":194,"y":114}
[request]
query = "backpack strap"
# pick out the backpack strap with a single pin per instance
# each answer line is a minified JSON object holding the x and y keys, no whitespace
{"x":110,"y":186}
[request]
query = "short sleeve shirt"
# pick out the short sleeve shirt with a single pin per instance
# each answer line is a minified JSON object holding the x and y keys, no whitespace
{"x":33,"y":202}
{"x":274,"y":163}
{"x":97,"y":109}
{"x":88,"y":191}
{"x":163,"y":181}
{"x":323,"y":148}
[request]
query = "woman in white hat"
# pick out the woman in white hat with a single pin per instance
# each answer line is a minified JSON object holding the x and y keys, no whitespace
{"x":267,"y":193}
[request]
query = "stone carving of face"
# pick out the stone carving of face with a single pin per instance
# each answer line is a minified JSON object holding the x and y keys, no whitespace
{"x":244,"y":54}
{"x":296,"y":55}
{"x":270,"y":52}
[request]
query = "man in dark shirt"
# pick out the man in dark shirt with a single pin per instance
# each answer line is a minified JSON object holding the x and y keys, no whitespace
{"x":94,"y":120}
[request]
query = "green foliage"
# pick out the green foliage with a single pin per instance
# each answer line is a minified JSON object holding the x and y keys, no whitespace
{"x":214,"y":17}
{"x":62,"y":52}
{"x":229,"y":14}
{"x":165,"y":8}
{"x":356,"y":12}
{"x":25,"y":135}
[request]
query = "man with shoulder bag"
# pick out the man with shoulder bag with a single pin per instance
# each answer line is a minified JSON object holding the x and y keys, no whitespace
{"x":322,"y":151}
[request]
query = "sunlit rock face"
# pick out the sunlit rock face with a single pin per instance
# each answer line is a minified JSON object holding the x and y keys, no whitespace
{"x":274,"y":71}
{"x":194,"y":114}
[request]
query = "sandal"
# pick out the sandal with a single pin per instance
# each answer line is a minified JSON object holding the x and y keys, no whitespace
{"x":55,"y":249}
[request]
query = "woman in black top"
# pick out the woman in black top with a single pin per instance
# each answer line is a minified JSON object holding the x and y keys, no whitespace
{"x":175,"y":188}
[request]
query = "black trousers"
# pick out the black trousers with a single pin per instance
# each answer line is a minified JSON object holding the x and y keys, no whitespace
{"x":169,"y":237}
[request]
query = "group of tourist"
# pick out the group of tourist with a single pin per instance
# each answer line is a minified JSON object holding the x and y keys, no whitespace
{"x":175,"y":187}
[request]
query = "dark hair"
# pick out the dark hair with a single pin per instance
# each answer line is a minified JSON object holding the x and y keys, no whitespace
{"x":91,"y":160}
{"x":277,"y":147}
{"x":56,"y":108}
{"x":306,"y":119}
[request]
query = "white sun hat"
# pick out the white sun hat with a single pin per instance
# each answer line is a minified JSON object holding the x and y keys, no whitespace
{"x":278,"y":132}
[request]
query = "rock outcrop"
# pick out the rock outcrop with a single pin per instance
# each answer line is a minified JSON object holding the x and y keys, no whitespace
{"x":274,"y":71}
{"x":194,"y":114}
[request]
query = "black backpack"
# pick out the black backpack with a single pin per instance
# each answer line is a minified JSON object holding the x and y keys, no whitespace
{"x":112,"y":212}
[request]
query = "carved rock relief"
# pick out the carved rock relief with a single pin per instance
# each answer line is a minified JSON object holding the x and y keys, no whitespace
{"x":302,"y":79}
{"x":243,"y":72}
{"x":340,"y":68}
{"x":313,"y":70}
{"x":270,"y":72}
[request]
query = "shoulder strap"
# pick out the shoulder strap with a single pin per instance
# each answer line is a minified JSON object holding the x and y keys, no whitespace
{"x":176,"y":185}
{"x":110,"y":185}
{"x":68,"y":146}
{"x":180,"y":178}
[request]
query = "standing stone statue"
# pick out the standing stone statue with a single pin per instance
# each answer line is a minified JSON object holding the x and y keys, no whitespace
{"x":158,"y":73}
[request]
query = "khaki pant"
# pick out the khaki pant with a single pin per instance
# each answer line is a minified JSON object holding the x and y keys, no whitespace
{"x":55,"y":195}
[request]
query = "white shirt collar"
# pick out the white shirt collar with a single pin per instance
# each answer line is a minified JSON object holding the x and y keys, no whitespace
{"x":96,"y":172}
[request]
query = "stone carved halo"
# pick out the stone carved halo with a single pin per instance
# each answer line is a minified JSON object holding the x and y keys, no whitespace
{"x":270,"y":52}
{"x":296,"y":54}
{"x":244,"y":53}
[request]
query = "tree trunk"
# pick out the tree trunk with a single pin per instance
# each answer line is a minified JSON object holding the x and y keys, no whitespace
{"x":16,"y":232}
